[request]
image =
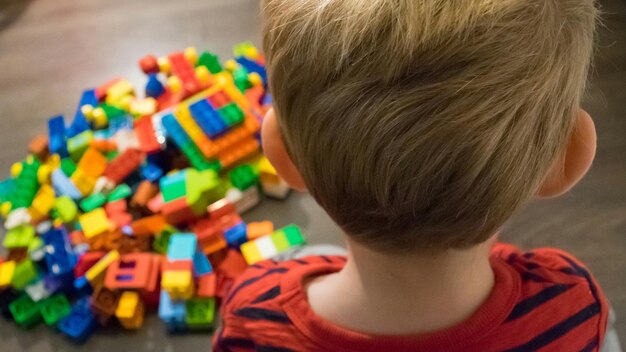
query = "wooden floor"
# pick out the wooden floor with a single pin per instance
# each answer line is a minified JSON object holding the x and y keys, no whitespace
{"x":51,"y":50}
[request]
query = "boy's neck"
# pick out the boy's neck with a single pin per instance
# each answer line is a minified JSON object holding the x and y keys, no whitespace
{"x":393,"y":295}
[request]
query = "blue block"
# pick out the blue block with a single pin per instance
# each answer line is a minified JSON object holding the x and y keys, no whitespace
{"x":83,"y":286}
{"x":56,"y":136}
{"x":60,"y":257}
{"x":236,"y":235}
{"x":201,"y":264}
{"x":124,"y":122}
{"x":252,"y":66}
{"x":182,"y":246}
{"x":63,"y":186}
{"x":171,"y":312}
{"x":151,"y":172}
{"x":81,"y":323}
{"x":63,"y":282}
{"x":175,"y":131}
{"x":154,"y":87}
{"x":80,"y":123}
{"x":207,"y":118}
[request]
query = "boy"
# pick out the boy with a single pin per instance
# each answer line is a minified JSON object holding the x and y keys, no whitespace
{"x":421,"y":126}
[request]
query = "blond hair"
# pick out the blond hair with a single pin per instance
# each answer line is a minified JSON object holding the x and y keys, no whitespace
{"x":425,"y":124}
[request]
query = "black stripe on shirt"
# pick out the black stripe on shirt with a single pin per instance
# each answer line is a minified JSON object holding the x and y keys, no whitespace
{"x":252,"y":280}
{"x":559,"y":330}
{"x":531,"y":303}
{"x":267,"y":295}
{"x":226,"y":343}
{"x":254,"y":313}
{"x":591,"y":346}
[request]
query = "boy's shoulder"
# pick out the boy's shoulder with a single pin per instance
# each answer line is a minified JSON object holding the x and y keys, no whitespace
{"x":546,"y":300}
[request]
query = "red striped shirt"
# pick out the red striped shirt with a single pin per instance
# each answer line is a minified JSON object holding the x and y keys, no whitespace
{"x":543,"y":300}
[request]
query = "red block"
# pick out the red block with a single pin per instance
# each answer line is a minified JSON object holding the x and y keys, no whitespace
{"x":117,"y":207}
{"x":149,"y":64}
{"x":146,"y":135}
{"x":101,"y":91}
{"x":233,"y":265}
{"x":132,"y":271}
{"x":207,"y":285}
{"x":123,"y":165}
{"x":178,"y":212}
{"x":176,"y":265}
{"x":185,"y":71}
{"x":206,"y":229}
{"x":86,"y":261}
{"x":149,"y":225}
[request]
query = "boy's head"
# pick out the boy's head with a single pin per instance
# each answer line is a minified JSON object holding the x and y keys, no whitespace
{"x":424,"y":124}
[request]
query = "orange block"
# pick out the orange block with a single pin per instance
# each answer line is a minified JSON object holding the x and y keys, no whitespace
{"x":132,"y":271}
{"x":149,"y":225}
{"x":92,"y":163}
{"x":207,"y":285}
{"x":213,"y":244}
{"x":258,"y":229}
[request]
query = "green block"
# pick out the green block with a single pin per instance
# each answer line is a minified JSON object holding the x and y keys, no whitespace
{"x":54,"y":308}
{"x":203,"y":188}
{"x":112,"y":155}
{"x":240,"y":76}
{"x":26,"y":185}
{"x":173,"y":186}
{"x":120,"y":192}
{"x":68,"y":167}
{"x":200,"y":313}
{"x":243,"y":177}
{"x":66,"y":209}
{"x":162,"y":240}
{"x":112,"y":111}
{"x":293,"y":235}
{"x":20,"y":236}
{"x":211,"y":62}
{"x":79,"y":144}
{"x":231,"y":114}
{"x":25,"y":312}
{"x":24,"y":273}
{"x":35,"y":244}
{"x":241,"y":48}
{"x":93,"y":202}
{"x":280,"y":241}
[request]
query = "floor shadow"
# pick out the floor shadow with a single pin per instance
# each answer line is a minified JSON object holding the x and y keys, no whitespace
{"x":11,"y":10}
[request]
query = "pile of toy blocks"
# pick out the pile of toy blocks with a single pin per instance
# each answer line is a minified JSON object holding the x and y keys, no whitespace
{"x":135,"y":205}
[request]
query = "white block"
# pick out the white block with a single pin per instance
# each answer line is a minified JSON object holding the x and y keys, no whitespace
{"x":266,"y":247}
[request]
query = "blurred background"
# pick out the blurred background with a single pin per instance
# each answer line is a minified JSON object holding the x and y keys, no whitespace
{"x":51,"y":50}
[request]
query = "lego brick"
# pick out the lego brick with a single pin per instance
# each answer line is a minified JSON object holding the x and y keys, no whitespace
{"x":146,"y":135}
{"x":25,"y":312}
{"x":83,"y":182}
{"x":293,"y":234}
{"x":251,"y":253}
{"x":39,"y":146}
{"x":54,"y":308}
{"x":178,"y":284}
{"x":145,"y":191}
{"x":80,"y":324}
{"x":120,"y":192}
{"x":63,"y":186}
{"x":173,"y":186}
{"x":162,"y":240}
{"x":57,"y":137}
{"x":7,"y":269}
{"x":132,"y":271}
{"x":60,"y":257}
{"x":171,"y":311}
{"x":201,"y":264}
{"x":37,"y":291}
{"x":124,"y":165}
{"x":200,"y":313}
{"x":20,"y":236}
{"x":130,"y":310}
{"x":207,"y":286}
{"x":43,"y":202}
{"x":178,"y":212}
{"x":66,"y":209}
{"x":258,"y":229}
{"x":149,"y":225}
{"x":86,"y":261}
{"x":94,"y":223}
{"x":24,"y":272}
{"x":77,"y":145}
{"x":182,"y":246}
{"x":92,"y":163}
{"x":98,"y":269}
{"x":208,"y":118}
{"x":236,"y":235}
{"x":93,"y":202}
{"x":104,"y":303}
{"x":232,"y":265}
{"x":211,"y":62}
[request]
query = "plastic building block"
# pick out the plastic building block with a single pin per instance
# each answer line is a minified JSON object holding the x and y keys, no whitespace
{"x":66,"y":209}
{"x":80,"y":324}
{"x":124,"y":165}
{"x":145,"y":191}
{"x":146,"y":135}
{"x":211,"y":62}
{"x":182,"y":246}
{"x":23,"y":274}
{"x":184,"y":70}
{"x":132,"y":271}
{"x":94,"y":223}
{"x":173,"y":186}
{"x":104,"y":303}
{"x":42,"y":203}
{"x":60,"y":258}
{"x":258,"y":229}
{"x":149,"y":64}
{"x":172,"y":312}
{"x":54,"y":308}
{"x":201,"y":264}
{"x":268,"y":246}
{"x":37,"y":291}
{"x":39,"y":146}
{"x":236,"y":235}
{"x":207,"y":286}
{"x":78,"y":144}
{"x":98,"y":269}
{"x":7,"y":269}
{"x":130,"y":310}
{"x":63,"y":186}
{"x":86,"y":261}
{"x":93,"y":202}
{"x":120,"y":192}
{"x":92,"y":163}
{"x":200,"y":313}
{"x":154,"y":87}
{"x":25,"y":312}
{"x":243,"y":177}
{"x":57,"y":138}
{"x":178,"y":284}
{"x":208,"y":118}
{"x":20,"y":236}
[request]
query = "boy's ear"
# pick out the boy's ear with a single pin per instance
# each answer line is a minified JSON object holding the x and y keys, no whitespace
{"x":276,"y":153}
{"x":574,"y":164}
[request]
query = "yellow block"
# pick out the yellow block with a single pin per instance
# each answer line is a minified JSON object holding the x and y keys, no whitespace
{"x":101,"y":266}
{"x":178,"y":283}
{"x":267,"y":172}
{"x":94,"y":223}
{"x":43,"y":202}
{"x":118,"y":91}
{"x":143,"y":107}
{"x":251,"y":252}
{"x":6,"y":273}
{"x":83,"y":181}
{"x":130,"y":310}
{"x":183,"y":116}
